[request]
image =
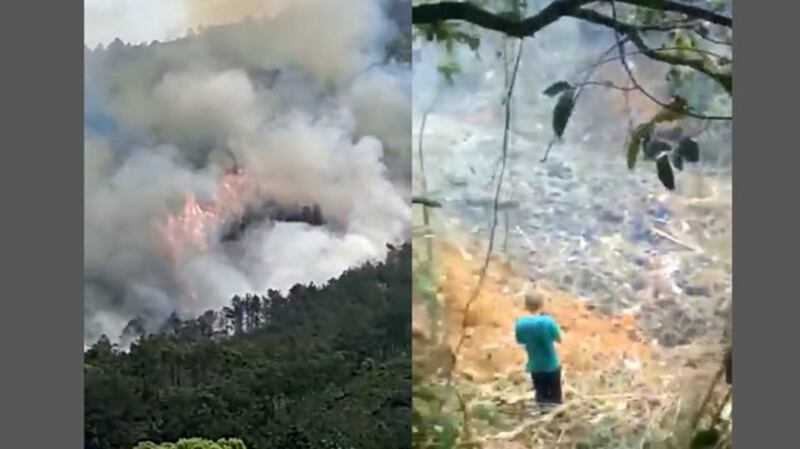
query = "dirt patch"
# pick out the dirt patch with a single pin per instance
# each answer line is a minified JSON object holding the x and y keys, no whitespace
{"x":592,"y":341}
{"x":619,"y":388}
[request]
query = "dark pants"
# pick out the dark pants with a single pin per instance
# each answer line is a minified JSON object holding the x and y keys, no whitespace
{"x":547,"y":386}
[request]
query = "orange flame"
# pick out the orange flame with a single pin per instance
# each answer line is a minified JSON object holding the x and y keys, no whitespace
{"x":189,"y":231}
{"x":189,"y":228}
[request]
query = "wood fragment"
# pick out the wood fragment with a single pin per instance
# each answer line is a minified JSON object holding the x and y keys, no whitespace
{"x":674,"y":239}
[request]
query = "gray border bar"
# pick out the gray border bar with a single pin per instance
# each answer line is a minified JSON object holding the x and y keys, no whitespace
{"x":42,"y":224}
{"x":765,"y":234}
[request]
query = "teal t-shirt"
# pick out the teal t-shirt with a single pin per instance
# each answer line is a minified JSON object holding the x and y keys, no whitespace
{"x":538,"y":333}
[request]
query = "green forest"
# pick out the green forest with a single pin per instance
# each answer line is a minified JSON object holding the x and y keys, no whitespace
{"x":321,"y":367}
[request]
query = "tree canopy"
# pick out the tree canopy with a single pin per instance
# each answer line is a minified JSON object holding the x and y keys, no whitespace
{"x":318,"y":368}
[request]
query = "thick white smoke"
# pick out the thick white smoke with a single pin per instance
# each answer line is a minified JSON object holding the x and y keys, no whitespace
{"x":303,"y":103}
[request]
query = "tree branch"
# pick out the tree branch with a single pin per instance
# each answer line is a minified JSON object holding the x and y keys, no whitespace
{"x":437,"y":12}
{"x":618,"y":30}
{"x":695,"y":12}
{"x":608,"y":85}
{"x":616,"y":58}
{"x":430,"y":13}
{"x":495,"y":208}
{"x":581,"y":88}
{"x":632,"y":32}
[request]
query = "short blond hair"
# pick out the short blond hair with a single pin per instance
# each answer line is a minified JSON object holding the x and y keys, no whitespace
{"x":534,"y":302}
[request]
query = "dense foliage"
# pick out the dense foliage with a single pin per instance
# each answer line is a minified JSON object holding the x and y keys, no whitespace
{"x":195,"y":443}
{"x":321,"y":367}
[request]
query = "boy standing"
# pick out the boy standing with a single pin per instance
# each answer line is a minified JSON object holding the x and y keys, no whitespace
{"x":537,"y":333}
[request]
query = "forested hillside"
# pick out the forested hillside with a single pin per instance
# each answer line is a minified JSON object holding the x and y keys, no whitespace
{"x":316,"y":368}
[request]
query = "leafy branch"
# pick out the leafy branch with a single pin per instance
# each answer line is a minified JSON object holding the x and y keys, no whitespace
{"x":431,"y":13}
{"x":700,"y":64}
{"x":436,"y":14}
{"x":662,"y":49}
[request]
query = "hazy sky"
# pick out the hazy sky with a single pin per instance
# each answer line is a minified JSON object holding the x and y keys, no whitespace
{"x":132,"y":20}
{"x":137,"y":21}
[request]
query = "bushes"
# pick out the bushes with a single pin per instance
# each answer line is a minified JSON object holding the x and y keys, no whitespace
{"x":195,"y":443}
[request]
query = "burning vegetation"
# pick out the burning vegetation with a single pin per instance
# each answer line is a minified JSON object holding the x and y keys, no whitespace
{"x":317,"y":130}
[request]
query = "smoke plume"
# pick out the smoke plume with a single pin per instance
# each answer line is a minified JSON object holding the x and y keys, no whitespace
{"x":295,"y":104}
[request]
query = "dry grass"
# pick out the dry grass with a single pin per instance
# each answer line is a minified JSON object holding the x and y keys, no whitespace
{"x":620,"y":391}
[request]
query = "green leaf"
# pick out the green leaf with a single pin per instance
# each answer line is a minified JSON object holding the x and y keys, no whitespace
{"x":649,"y":13}
{"x":675,"y":110}
{"x":682,"y":42}
{"x":648,"y":136}
{"x":727,"y":83}
{"x":638,"y":136}
{"x":474,"y":42}
{"x":689,"y":150}
{"x":448,"y":69}
{"x":665,"y":174}
{"x":563,"y":111}
{"x":442,"y":30}
{"x":195,"y":443}
{"x":146,"y":445}
{"x":677,"y":160}
{"x":556,"y":88}
{"x":231,"y":443}
{"x":653,"y":149}
{"x":428,"y":31}
{"x":425,"y":201}
{"x":705,"y":439}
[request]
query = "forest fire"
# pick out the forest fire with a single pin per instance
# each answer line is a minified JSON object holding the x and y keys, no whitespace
{"x":189,"y":231}
{"x":237,"y":203}
{"x":188,"y":228}
{"x":171,"y":229}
